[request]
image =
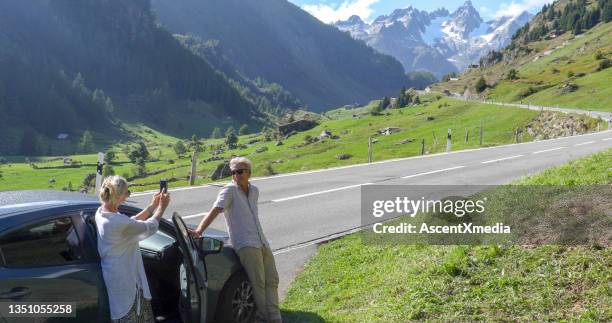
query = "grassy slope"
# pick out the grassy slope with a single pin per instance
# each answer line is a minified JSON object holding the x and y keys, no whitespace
{"x":498,"y":123}
{"x":577,"y":56}
{"x":350,"y":282}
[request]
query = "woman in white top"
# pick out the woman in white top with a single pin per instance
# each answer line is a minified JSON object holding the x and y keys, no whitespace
{"x":121,"y":260}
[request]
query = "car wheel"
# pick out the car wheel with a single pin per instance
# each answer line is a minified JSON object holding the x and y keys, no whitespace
{"x":237,"y":302}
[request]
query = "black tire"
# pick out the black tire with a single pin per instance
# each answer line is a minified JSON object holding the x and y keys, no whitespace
{"x":236,"y":301}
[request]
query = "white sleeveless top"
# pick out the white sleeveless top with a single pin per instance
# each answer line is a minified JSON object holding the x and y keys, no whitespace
{"x":121,"y":260}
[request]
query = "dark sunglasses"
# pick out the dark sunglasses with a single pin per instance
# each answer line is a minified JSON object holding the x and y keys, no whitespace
{"x":239,"y":171}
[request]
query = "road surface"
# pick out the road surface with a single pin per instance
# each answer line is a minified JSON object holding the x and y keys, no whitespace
{"x":298,"y":210}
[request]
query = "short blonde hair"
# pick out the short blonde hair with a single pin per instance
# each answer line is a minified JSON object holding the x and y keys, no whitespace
{"x":240,"y":160}
{"x":112,"y":188}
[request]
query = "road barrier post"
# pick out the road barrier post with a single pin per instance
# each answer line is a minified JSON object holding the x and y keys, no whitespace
{"x":99,"y":168}
{"x":480,"y":135}
{"x":449,"y":141}
{"x":516,"y":135}
{"x":369,"y":149}
{"x":192,"y":175}
{"x":467,"y":135}
{"x":422,"y":146}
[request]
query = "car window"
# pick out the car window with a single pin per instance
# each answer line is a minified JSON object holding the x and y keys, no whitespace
{"x":53,"y":242}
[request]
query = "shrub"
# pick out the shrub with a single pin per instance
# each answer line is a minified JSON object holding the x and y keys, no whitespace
{"x":512,"y":75}
{"x":481,"y":85}
{"x":604,"y":64}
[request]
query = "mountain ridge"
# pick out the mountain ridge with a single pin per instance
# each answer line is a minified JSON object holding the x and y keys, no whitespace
{"x":439,"y":41}
{"x":281,"y":43}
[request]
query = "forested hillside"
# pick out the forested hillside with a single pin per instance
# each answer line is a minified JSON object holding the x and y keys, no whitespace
{"x":279,"y":42}
{"x":68,"y":66}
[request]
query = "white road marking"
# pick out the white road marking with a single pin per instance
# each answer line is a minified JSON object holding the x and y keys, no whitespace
{"x":218,"y":184}
{"x":547,"y":150}
{"x":584,"y":143}
{"x":319,"y":192}
{"x":500,"y":159}
{"x":606,"y":139}
{"x":433,"y":172}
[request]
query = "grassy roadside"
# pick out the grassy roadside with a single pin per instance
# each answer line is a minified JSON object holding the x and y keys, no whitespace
{"x":544,"y":72}
{"x":423,"y":121}
{"x":347,"y":281}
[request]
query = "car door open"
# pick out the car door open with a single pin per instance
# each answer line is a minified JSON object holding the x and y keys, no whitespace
{"x":192,"y":276}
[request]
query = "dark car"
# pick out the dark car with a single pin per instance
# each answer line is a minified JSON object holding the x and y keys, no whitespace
{"x":48,"y":253}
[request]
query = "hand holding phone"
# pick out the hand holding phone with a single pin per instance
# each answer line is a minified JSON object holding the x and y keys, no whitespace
{"x":163,"y":185}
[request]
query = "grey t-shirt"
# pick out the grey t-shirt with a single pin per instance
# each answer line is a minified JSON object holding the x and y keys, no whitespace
{"x":241,"y":216}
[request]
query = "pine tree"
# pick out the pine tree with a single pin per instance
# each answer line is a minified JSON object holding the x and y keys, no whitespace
{"x":229,"y":130}
{"x":244,"y":130}
{"x":86,"y":144}
{"x":481,"y":85}
{"x":29,"y":143}
{"x":195,"y":144}
{"x":179,"y":149}
{"x":231,"y":140}
{"x":577,"y":28}
{"x":216,"y":133}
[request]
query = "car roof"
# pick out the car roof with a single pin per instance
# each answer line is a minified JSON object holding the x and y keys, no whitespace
{"x":26,"y":201}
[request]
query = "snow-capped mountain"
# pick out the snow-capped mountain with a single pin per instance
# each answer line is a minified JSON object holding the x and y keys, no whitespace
{"x":439,"y":41}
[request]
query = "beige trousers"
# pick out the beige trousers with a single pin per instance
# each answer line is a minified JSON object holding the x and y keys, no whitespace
{"x":261,"y":270}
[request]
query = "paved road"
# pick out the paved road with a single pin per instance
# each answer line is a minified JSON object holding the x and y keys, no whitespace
{"x":297,"y":210}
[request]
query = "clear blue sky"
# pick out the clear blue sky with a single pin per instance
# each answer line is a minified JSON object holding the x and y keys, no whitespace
{"x":332,"y":10}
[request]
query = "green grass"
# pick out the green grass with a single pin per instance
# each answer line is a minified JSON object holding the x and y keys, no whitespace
{"x":347,"y":281}
{"x":498,"y":124}
{"x":550,"y":71}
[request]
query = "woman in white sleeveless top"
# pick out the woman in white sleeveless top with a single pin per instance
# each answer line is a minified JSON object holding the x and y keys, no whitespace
{"x":121,"y":260}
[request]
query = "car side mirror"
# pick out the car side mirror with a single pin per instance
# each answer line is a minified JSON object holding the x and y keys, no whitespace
{"x":209,"y":246}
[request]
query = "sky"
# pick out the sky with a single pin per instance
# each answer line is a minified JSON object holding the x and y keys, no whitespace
{"x":333,"y":10}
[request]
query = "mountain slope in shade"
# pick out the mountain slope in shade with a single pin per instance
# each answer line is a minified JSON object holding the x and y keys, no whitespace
{"x":440,"y":41}
{"x":55,"y":54}
{"x":281,"y":43}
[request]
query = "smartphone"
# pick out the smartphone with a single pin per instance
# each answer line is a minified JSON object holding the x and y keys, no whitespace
{"x":163,"y":185}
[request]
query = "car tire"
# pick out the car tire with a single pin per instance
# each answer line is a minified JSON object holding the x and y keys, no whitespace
{"x":236,"y":302}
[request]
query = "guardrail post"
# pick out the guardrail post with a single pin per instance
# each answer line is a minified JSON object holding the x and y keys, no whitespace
{"x":369,"y":149}
{"x":449,"y":140}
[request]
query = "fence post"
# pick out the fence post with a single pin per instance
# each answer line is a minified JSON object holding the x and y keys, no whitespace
{"x":480,"y":135}
{"x":467,"y":135}
{"x":449,"y":141}
{"x":435,"y":139}
{"x":192,"y":175}
{"x":369,"y":149}
{"x":516,"y":135}
{"x":422,"y":146}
